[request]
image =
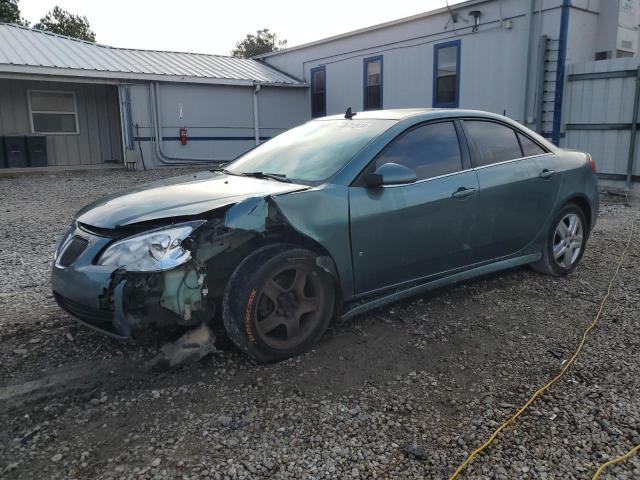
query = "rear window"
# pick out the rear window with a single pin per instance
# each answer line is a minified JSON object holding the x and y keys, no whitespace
{"x":529,"y":147}
{"x":493,"y":142}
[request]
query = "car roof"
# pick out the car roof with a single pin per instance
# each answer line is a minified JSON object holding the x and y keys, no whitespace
{"x":410,"y":116}
{"x":391,"y":114}
{"x":423,"y":113}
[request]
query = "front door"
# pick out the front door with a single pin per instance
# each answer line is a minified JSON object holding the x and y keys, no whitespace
{"x":404,"y":232}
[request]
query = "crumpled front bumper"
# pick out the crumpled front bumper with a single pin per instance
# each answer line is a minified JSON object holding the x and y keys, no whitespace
{"x":118,"y":302}
{"x":88,"y":291}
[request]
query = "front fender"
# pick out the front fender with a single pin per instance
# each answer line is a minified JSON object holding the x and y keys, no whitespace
{"x":322,"y":214}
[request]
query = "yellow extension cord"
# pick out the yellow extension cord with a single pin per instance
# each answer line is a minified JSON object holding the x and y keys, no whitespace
{"x":619,"y":459}
{"x":540,"y":391}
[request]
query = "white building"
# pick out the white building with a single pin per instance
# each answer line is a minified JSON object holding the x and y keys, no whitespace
{"x":504,"y":56}
{"x":69,"y":103}
{"x":165,"y":108}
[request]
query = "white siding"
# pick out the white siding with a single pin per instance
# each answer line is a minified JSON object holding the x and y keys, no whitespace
{"x":99,"y":138}
{"x":493,"y":60}
{"x":219,"y":119}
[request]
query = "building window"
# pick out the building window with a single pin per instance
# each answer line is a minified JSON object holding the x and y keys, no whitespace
{"x":446,"y":75}
{"x":373,"y":83}
{"x":318,"y":92}
{"x":53,"y":112}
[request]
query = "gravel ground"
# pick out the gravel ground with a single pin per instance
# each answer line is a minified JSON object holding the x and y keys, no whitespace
{"x":438,"y":372}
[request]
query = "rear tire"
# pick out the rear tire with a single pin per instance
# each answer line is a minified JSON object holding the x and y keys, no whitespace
{"x":278,"y":303}
{"x":564,"y":243}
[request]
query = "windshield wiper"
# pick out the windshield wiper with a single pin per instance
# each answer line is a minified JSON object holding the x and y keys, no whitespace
{"x":280,"y":177}
{"x":228,"y":172}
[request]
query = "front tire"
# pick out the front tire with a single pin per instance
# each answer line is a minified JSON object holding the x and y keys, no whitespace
{"x":565,"y":242}
{"x":278,"y":303}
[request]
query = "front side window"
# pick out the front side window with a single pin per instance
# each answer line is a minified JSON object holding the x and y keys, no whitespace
{"x":446,"y":75}
{"x":318,"y":92}
{"x":493,"y":142}
{"x":53,"y":112}
{"x":373,"y":83}
{"x":311,"y":152}
{"x":429,"y":150}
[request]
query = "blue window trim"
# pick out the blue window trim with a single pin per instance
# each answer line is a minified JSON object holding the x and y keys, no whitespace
{"x":322,"y":68}
{"x":456,"y":103}
{"x":366,"y":62}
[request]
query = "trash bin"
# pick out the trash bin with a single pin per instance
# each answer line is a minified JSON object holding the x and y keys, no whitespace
{"x":15,"y":150}
{"x":3,"y":157}
{"x":37,"y":150}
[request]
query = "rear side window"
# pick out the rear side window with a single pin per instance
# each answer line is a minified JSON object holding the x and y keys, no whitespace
{"x":493,"y":142}
{"x":529,"y":147}
{"x":429,"y":150}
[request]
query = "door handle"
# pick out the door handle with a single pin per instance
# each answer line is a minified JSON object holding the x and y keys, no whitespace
{"x":463,"y":192}
{"x":546,"y":174}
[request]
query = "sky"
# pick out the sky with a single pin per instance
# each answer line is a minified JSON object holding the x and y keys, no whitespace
{"x":215,"y":26}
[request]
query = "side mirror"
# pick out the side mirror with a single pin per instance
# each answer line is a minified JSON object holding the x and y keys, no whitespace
{"x":390,"y":174}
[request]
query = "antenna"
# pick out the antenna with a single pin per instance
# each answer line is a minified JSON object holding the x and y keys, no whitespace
{"x":454,"y":16}
{"x":348,"y":114}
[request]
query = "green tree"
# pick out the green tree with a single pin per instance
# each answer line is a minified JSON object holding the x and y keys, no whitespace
{"x":263,"y":41}
{"x":10,"y":13}
{"x":64,"y":23}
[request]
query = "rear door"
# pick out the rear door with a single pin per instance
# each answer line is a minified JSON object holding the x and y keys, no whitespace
{"x":404,"y":232}
{"x":517,"y":188}
{"x":548,"y":170}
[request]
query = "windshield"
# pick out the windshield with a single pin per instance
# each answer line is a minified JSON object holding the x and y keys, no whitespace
{"x":311,"y":152}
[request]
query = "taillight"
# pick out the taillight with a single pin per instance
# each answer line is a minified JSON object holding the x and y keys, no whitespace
{"x":592,"y":163}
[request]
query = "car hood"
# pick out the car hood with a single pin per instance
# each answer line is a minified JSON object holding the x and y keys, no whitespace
{"x":182,"y":196}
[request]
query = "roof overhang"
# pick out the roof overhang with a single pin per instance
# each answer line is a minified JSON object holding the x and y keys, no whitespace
{"x":90,"y":76}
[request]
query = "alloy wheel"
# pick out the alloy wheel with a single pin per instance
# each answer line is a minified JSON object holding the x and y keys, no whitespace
{"x":567,"y":240}
{"x":289,"y":307}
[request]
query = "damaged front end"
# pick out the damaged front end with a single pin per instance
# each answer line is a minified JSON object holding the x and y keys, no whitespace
{"x":120,"y":281}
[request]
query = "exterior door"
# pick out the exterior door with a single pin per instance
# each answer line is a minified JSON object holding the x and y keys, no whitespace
{"x":405,"y":232}
{"x":516,"y":196}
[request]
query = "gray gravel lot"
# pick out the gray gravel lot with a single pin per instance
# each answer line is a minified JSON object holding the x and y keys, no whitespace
{"x":441,"y":370}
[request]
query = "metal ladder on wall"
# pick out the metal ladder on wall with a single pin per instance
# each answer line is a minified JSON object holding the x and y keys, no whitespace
{"x":546,"y":92}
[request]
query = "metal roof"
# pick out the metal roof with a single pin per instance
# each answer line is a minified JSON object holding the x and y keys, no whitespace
{"x":28,"y":51}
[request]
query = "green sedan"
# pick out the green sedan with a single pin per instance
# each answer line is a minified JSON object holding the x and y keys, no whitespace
{"x":329,"y":219}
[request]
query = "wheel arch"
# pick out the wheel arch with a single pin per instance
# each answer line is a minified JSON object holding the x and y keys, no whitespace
{"x":583,"y":203}
{"x":221,"y":267}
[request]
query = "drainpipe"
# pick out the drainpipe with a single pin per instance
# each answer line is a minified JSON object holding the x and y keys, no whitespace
{"x":256,"y":121}
{"x":124,"y":119}
{"x":525,"y":116}
{"x":562,"y":57}
{"x":157,"y":128}
{"x":634,"y":132}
